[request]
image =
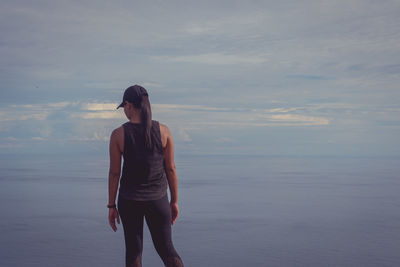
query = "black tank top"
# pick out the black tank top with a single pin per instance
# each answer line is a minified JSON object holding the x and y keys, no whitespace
{"x":143,"y":175}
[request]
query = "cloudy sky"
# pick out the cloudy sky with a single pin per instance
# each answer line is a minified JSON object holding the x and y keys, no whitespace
{"x":243,"y":77}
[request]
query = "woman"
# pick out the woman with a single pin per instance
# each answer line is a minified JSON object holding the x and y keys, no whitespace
{"x":148,"y":151}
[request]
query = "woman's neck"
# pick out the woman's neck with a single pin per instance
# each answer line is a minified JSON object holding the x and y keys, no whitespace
{"x":135,"y":118}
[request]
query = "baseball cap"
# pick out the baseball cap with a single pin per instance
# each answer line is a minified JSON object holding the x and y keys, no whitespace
{"x":133,"y":94}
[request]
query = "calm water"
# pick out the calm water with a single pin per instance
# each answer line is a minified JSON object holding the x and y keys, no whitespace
{"x":235,"y":211}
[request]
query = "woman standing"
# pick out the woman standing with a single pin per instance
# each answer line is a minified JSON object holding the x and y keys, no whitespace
{"x":148,"y":169}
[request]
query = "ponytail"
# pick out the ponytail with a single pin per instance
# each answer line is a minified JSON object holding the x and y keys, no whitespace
{"x":145,"y":116}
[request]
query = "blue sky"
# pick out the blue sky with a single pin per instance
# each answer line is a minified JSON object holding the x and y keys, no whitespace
{"x":235,"y":77}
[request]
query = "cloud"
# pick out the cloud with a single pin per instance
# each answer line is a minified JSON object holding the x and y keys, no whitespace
{"x":20,"y":115}
{"x":99,"y":106}
{"x":246,"y":116}
{"x":11,"y":139}
{"x":39,"y":112}
{"x":197,"y":118}
{"x":296,"y":118}
{"x":273,"y":110}
{"x":99,"y":115}
{"x":61,"y":104}
{"x":242,"y":116}
{"x":172,"y":107}
{"x":93,"y":121}
{"x":98,"y":110}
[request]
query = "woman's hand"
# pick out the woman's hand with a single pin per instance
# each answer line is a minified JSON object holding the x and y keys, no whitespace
{"x":112,"y":215}
{"x":174,"y":212}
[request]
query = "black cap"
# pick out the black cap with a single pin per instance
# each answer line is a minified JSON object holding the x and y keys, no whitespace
{"x":133,"y":95}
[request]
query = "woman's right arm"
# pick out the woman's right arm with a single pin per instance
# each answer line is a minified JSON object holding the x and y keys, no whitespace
{"x":114,"y":174}
{"x":170,"y":170}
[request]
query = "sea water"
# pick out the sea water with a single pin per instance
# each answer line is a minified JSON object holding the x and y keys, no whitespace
{"x":234,"y":211}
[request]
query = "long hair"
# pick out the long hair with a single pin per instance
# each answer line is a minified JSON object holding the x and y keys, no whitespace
{"x":145,"y":116}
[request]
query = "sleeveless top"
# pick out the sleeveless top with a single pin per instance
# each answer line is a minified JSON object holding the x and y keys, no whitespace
{"x":143,"y":175}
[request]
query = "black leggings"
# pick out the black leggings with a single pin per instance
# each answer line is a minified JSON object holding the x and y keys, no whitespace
{"x":158,"y":219}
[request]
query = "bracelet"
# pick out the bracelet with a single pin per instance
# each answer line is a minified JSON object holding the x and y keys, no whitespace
{"x":111,"y":206}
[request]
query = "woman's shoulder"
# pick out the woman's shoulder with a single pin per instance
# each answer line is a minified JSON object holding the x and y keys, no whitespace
{"x":163,"y":127}
{"x":117,"y":132}
{"x":165,"y":134}
{"x":117,"y":138}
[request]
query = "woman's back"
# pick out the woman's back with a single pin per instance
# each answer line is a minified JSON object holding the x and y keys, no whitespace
{"x":143,"y":175}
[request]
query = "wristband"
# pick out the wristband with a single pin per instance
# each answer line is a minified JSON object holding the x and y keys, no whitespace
{"x":111,"y":206}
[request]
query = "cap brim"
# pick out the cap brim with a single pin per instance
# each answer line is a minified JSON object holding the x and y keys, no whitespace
{"x":120,"y":105}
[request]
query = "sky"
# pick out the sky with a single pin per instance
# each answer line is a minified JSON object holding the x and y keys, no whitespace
{"x":299,"y":78}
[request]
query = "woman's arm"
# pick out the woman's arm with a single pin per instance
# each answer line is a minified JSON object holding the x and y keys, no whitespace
{"x":170,"y":170}
{"x":114,"y":174}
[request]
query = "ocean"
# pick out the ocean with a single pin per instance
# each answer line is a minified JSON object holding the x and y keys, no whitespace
{"x":235,"y":210}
